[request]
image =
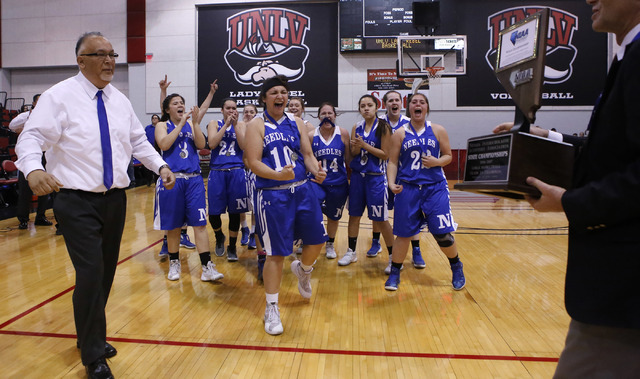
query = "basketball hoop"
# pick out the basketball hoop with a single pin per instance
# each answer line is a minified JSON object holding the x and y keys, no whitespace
{"x":434,"y":74}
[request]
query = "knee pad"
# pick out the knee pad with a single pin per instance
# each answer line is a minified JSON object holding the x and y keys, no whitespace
{"x":216,"y":221}
{"x":444,"y":240}
{"x":234,"y":222}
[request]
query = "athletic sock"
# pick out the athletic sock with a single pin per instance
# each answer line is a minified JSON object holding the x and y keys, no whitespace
{"x":331,"y":240}
{"x":415,"y":243}
{"x":272,"y":298}
{"x":352,"y":243}
{"x":453,"y":261}
{"x":219,"y":235}
{"x":183,"y":231}
{"x":205,"y":258}
{"x":376,"y":236}
{"x":232,"y":241}
{"x":390,"y":248}
{"x":396,"y":265}
{"x":174,"y":256}
{"x":305,"y":267}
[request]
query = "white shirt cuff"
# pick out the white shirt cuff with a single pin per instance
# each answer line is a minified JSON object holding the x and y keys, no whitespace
{"x":555,"y":136}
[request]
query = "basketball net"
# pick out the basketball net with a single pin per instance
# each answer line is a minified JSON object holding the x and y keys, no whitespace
{"x":433,"y":76}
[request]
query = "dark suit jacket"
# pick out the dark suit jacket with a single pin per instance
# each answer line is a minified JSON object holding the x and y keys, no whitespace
{"x":603,"y":208}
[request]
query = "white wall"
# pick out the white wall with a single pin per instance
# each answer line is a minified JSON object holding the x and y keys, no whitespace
{"x":38,"y":34}
{"x":39,"y":38}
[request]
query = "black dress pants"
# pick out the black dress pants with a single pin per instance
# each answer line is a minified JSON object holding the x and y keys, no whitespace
{"x":92,"y":226}
{"x":24,"y":200}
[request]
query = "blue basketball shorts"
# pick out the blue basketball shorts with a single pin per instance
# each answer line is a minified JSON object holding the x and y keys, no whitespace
{"x":251,"y":187}
{"x":184,"y":204}
{"x":420,"y":205}
{"x":332,"y":199}
{"x":368,"y":191}
{"x":285,"y":215}
{"x":391,"y":199}
{"x":227,"y":189}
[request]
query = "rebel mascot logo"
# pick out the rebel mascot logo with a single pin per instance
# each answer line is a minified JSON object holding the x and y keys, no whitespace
{"x":265,"y":42}
{"x":560,"y":51}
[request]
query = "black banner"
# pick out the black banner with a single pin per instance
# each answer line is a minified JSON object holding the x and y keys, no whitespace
{"x":241,"y":46}
{"x":576,"y":60}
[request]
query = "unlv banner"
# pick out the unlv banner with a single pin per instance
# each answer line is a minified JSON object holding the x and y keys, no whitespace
{"x":576,"y":61}
{"x":242,"y":46}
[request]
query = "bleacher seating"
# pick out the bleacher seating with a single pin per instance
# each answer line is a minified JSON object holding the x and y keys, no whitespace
{"x":14,"y":105}
{"x":8,"y":181}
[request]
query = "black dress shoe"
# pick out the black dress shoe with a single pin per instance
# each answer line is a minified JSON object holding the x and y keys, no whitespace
{"x":23,"y":225}
{"x":42,"y":221}
{"x":99,"y":370}
{"x":109,"y":350}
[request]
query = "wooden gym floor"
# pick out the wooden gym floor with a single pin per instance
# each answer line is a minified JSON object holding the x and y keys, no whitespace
{"x":508,"y":322}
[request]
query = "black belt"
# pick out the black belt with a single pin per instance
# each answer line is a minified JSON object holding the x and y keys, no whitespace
{"x":104,"y":193}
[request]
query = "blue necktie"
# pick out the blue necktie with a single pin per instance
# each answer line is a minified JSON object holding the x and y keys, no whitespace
{"x":105,"y":141}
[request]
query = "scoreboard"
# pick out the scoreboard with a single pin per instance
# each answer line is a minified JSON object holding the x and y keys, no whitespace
{"x":373,"y":25}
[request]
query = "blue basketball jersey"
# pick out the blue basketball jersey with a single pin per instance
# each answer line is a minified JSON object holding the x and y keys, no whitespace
{"x":281,"y":147}
{"x":182,"y":155}
{"x":227,"y":154}
{"x":331,"y":154}
{"x":402,"y":121}
{"x":410,"y":168}
{"x":365,"y":162}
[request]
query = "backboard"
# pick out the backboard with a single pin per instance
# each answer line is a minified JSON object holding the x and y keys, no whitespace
{"x":417,"y":53}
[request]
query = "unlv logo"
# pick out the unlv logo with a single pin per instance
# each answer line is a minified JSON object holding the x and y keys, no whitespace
{"x":265,"y":42}
{"x":560,"y":52}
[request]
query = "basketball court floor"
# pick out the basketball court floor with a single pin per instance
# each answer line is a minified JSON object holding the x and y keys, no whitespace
{"x":508,"y":322}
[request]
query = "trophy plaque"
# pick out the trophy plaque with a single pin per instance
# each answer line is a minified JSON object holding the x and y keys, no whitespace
{"x":499,"y":164}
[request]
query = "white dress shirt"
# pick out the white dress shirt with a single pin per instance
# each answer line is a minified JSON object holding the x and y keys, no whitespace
{"x":619,"y":54}
{"x":627,"y":40}
{"x":17,"y":123}
{"x":65,"y":125}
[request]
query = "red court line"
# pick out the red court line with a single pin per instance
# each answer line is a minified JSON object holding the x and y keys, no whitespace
{"x":21,"y":315}
{"x":300,"y":350}
{"x":36,"y":307}
{"x":260,"y":348}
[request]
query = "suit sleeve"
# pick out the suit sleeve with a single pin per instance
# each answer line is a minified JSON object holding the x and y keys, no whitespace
{"x":611,"y":199}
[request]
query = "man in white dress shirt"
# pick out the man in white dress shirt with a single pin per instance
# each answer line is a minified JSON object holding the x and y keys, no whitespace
{"x":88,"y":154}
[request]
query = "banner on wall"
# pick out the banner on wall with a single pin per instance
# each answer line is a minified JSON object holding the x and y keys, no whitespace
{"x":380,"y":81}
{"x":242,"y":46}
{"x":576,"y":57}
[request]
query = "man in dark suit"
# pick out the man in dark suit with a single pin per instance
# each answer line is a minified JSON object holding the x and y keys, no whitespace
{"x":603,"y":209}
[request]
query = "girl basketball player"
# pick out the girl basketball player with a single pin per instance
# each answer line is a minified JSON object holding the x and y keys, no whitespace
{"x":248,"y":113}
{"x":179,"y":142}
{"x":296,"y":106}
{"x":279,"y":154}
{"x":330,"y":144}
{"x":393,"y":103}
{"x":418,"y":152}
{"x":227,"y":186}
{"x":369,"y":144}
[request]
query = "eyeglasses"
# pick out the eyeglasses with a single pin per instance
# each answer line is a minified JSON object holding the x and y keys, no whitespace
{"x":102,"y":55}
